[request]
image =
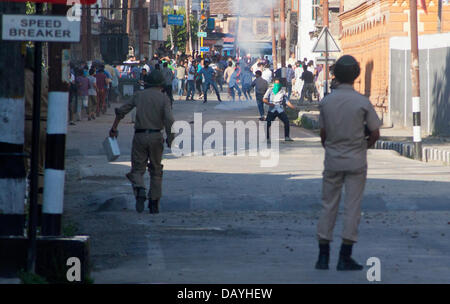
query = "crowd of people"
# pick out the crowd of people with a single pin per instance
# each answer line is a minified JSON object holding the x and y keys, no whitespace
{"x":191,"y":77}
{"x":92,"y":89}
{"x":188,"y":75}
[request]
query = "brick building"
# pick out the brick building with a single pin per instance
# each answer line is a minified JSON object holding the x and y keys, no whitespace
{"x":333,"y":16}
{"x":112,"y":22}
{"x":368,"y":26}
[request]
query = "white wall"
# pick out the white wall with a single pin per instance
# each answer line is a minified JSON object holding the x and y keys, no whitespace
{"x":306,"y":25}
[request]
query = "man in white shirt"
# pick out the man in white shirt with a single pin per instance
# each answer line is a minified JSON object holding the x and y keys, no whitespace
{"x":191,"y":81}
{"x":311,"y":67}
{"x":267,"y":74}
{"x":276,"y":98}
{"x":233,"y":85}
{"x":256,"y":66}
{"x":289,"y":77}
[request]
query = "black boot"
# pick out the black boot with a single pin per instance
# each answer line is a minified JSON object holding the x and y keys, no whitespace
{"x":345,"y":260}
{"x":140,"y":199}
{"x":153,"y":205}
{"x":324,"y":256}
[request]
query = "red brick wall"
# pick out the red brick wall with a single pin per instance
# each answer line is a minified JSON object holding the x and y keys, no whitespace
{"x":366,"y":31}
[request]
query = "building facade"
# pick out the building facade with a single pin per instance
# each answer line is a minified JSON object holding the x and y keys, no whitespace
{"x":367,"y":29}
{"x":113,"y":21}
{"x":250,"y":25}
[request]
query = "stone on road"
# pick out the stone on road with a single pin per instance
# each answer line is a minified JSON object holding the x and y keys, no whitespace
{"x":226,"y":219}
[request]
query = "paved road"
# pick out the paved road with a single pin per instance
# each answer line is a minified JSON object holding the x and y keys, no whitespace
{"x":226,"y":219}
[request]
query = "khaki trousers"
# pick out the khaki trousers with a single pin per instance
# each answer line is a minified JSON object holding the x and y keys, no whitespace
{"x":147,"y":151}
{"x":354,"y":182}
{"x":92,"y":105}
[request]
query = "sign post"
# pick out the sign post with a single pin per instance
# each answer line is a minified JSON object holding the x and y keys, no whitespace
{"x":175,"y":20}
{"x":39,"y":29}
{"x":325,"y":44}
{"x":34,"y":180}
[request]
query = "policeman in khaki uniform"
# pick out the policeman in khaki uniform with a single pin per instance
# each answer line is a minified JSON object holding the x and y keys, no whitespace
{"x":344,"y":114}
{"x":153,"y":113}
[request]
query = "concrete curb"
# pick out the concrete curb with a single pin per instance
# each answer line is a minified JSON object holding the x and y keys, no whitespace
{"x":308,"y":120}
{"x":406,"y":149}
{"x":311,"y":121}
{"x":9,"y":281}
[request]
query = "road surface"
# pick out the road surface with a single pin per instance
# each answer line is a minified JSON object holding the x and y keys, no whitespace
{"x":226,"y":219}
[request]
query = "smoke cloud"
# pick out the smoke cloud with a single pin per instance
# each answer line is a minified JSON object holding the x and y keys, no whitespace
{"x":247,"y":10}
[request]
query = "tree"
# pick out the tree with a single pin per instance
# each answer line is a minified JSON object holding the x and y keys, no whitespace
{"x":30,"y":8}
{"x":179,"y":33}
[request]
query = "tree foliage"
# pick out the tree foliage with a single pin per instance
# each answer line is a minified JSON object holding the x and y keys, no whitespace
{"x":180,"y":35}
{"x":31,"y":8}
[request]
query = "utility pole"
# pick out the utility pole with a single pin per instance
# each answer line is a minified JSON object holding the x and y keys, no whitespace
{"x":274,"y":40}
{"x":188,"y":27}
{"x":58,"y":98}
{"x":288,"y":30}
{"x":202,"y":16}
{"x":236,"y":38}
{"x":415,"y":80}
{"x":172,"y":43}
{"x":439,"y":13}
{"x":84,"y":40}
{"x":86,"y":32}
{"x":125,"y":16}
{"x":283,"y":32}
{"x":129,"y":18}
{"x":341,"y":10}
{"x":12,"y":123}
{"x":326,"y":24}
{"x":299,"y":31}
{"x":89,"y":32}
{"x":325,"y":13}
{"x":199,"y":29}
{"x":141,"y":28}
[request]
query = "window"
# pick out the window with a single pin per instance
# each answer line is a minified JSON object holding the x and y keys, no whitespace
{"x":246,"y":26}
{"x":154,"y":20}
{"x":231,"y":26}
{"x":295,"y":4}
{"x":262,"y":27}
{"x":315,"y":9}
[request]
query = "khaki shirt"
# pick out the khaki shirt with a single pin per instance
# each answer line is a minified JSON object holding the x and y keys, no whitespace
{"x":181,"y":72}
{"x":29,"y":88}
{"x":342,"y":115}
{"x":153,"y":110}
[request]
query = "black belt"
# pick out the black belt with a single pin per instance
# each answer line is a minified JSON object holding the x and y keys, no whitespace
{"x":147,"y":131}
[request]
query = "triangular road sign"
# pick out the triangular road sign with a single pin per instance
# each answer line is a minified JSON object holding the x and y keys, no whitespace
{"x":321,"y":47}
